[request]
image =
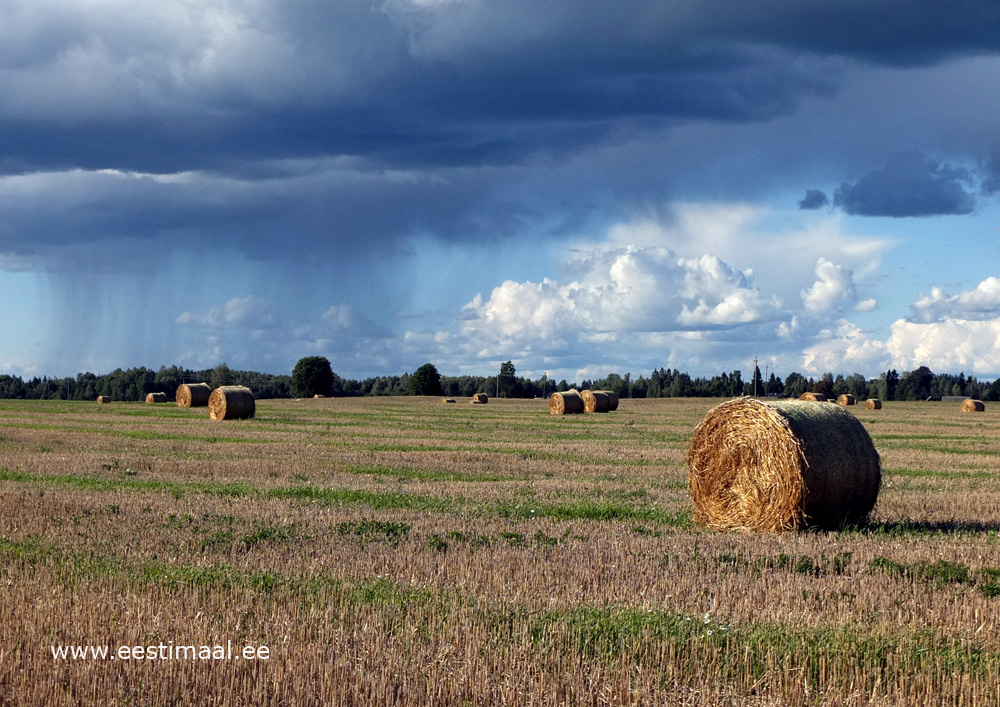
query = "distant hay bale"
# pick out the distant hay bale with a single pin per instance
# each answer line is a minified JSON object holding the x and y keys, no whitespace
{"x":103,"y":399}
{"x":567,"y":403}
{"x":970,"y":405}
{"x":447,"y":400}
{"x":873,"y":404}
{"x":156,"y":398}
{"x":480,"y":399}
{"x":594,"y":401}
{"x":845,"y":399}
{"x":612,"y":399}
{"x":317,"y":396}
{"x":193,"y":395}
{"x":771,"y":466}
{"x":231,"y":402}
{"x":813,"y":397}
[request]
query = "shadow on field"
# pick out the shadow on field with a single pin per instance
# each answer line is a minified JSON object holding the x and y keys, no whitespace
{"x":909,"y":527}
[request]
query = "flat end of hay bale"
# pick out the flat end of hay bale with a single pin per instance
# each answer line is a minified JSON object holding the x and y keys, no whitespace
{"x":193,"y":395}
{"x":231,"y":402}
{"x":757,"y":466}
{"x":970,"y":405}
{"x":813,"y":397}
{"x":594,"y":401}
{"x":569,"y":402}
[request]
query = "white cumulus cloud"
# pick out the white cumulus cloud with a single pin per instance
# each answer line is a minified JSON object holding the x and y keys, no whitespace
{"x":983,"y":302}
{"x":845,"y":347}
{"x":620,"y":292}
{"x":948,"y":345}
{"x":832,"y":291}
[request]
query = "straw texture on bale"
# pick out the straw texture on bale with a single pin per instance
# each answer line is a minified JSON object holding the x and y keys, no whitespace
{"x":156,"y":398}
{"x":594,"y":401}
{"x":612,"y":399}
{"x":231,"y":402}
{"x":193,"y":395}
{"x":845,"y":399}
{"x":873,"y":404}
{"x":971,"y":405}
{"x":567,"y":403}
{"x":480,"y":398}
{"x":781,"y":465}
{"x":103,"y":399}
{"x":813,"y":397}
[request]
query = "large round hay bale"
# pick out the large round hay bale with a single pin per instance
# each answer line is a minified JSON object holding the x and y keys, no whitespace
{"x":102,"y":399}
{"x":594,"y":401}
{"x":480,"y":398}
{"x":782,"y":465}
{"x":612,"y":399}
{"x":566,"y":403}
{"x":231,"y":402}
{"x":156,"y":398}
{"x":873,"y":404}
{"x":970,"y":405}
{"x":845,"y":399}
{"x":813,"y":397}
{"x":193,"y":395}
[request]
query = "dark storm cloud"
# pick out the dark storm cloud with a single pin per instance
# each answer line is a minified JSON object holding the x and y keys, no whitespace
{"x":991,"y":180}
{"x":308,"y":211}
{"x":453,"y":81}
{"x":909,"y":185}
{"x":881,"y":31}
{"x":814,"y":199}
{"x":443,"y":109}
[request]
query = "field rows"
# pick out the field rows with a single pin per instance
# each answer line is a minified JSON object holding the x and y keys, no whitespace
{"x":400,"y":550}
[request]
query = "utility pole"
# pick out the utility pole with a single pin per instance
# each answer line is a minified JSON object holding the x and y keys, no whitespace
{"x":755,"y":369}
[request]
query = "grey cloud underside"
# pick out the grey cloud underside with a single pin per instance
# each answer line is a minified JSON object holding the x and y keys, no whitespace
{"x":814,"y":199}
{"x":464,"y":83}
{"x":909,"y":185}
{"x":477,"y":97}
{"x":423,"y":115}
{"x":327,"y":217}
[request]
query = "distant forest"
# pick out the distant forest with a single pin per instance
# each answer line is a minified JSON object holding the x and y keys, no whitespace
{"x":135,"y":383}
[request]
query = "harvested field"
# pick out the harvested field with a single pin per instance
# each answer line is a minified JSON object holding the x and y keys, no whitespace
{"x":396,"y":550}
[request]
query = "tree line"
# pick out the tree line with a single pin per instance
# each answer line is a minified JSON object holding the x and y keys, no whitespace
{"x":313,"y":376}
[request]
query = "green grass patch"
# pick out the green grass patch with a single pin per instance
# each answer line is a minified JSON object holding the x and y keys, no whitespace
{"x":615,"y":636}
{"x":595,"y":510}
{"x":306,"y":493}
{"x":407,"y":474}
{"x":374,"y":530}
{"x":942,"y":573}
{"x":838,"y":564}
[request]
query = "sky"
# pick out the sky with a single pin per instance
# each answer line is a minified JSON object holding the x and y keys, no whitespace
{"x":578,"y":187}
